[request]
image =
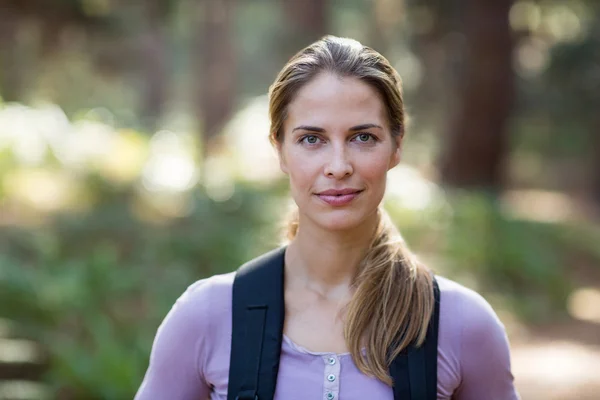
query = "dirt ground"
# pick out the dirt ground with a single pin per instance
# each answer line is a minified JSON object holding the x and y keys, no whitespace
{"x":558,"y":362}
{"x":561,"y":360}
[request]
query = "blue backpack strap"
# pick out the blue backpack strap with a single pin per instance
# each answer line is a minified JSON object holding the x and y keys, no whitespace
{"x":257,"y":328}
{"x":414,"y":371}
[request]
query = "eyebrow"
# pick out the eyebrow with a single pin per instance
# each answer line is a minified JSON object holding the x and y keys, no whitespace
{"x":321,"y":130}
{"x":365,"y":126}
{"x":308,"y":128}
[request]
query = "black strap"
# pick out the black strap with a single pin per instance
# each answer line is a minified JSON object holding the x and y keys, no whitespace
{"x":414,"y":371}
{"x":257,"y":328}
{"x":258,"y":313}
{"x":431,"y":345}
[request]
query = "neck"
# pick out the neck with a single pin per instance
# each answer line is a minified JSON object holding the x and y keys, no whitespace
{"x":327,"y":262}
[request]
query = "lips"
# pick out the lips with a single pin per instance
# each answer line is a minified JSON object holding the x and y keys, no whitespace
{"x":339,"y":197}
{"x":339,"y":192}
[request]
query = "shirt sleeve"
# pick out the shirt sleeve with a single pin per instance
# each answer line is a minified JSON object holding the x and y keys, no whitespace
{"x":175,"y":369}
{"x":484,"y":355}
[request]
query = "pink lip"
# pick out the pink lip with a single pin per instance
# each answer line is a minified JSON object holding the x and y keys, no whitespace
{"x":339,"y":198}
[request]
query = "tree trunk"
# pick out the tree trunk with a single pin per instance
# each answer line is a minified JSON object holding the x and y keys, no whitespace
{"x":10,"y":70}
{"x":477,"y":141}
{"x":595,"y":131}
{"x":306,"y":22}
{"x":434,"y":39}
{"x":155,"y":67}
{"x":217,"y":72}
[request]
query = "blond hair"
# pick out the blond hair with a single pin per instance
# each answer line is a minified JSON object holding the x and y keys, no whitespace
{"x":393,"y":298}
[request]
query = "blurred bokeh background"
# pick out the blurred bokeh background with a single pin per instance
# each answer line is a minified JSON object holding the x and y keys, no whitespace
{"x":134,"y":160}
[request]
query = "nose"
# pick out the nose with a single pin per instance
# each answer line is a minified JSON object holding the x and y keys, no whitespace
{"x":339,"y":165}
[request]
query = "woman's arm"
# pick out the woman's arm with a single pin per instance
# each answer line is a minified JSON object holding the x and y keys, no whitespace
{"x":175,"y":372}
{"x":484,"y":355}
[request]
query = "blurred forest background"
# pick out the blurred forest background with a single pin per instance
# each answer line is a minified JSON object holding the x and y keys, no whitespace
{"x":134,"y":160}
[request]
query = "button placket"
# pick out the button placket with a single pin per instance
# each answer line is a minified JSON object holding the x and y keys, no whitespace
{"x":331,"y":377}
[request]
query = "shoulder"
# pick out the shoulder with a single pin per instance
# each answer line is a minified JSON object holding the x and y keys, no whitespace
{"x":467,"y":306}
{"x":208,"y":297}
{"x":470,"y":336}
{"x":184,"y":342}
{"x":199,"y":308}
{"x":467,"y":320}
{"x":473,"y":347}
{"x":212,"y":296}
{"x":215,"y":285}
{"x":199,"y":316}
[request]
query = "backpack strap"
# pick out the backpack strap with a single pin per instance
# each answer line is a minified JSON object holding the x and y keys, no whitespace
{"x":258,"y":311}
{"x":414,"y":371}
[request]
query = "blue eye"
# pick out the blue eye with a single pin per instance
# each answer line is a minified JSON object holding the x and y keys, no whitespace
{"x":310,"y":139}
{"x":364,"y":137}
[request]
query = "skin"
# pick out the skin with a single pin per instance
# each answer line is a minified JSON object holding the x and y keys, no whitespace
{"x":321,"y":150}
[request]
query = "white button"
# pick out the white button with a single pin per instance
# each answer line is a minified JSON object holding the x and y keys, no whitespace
{"x":330,"y":396}
{"x":331,"y":378}
{"x":331,"y":360}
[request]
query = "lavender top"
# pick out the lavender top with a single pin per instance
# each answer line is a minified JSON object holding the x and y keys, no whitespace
{"x":190,"y":355}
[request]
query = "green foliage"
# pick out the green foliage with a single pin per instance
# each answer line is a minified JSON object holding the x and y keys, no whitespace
{"x":94,"y":290}
{"x":516,"y":258}
{"x":475,"y":239}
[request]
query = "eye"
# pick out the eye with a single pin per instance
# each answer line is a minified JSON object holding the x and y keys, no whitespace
{"x":309,"y":139}
{"x":365,"y":137}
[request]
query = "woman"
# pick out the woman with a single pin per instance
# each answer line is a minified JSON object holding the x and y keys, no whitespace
{"x":351,"y":285}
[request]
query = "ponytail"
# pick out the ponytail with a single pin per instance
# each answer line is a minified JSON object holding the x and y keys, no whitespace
{"x":392,"y":302}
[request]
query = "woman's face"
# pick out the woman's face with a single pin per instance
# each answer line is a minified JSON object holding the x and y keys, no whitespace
{"x":337,"y":148}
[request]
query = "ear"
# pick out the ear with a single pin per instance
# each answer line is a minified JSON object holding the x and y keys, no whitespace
{"x":282,"y":161}
{"x":395,"y":158}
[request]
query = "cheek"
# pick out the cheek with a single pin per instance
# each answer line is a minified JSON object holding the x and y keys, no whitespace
{"x":301,"y":171}
{"x":375,"y":170}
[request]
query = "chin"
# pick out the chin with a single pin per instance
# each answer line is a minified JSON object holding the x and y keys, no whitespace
{"x":340,"y":220}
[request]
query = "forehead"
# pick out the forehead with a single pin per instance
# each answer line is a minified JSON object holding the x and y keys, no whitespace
{"x":331,"y":101}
